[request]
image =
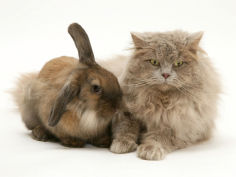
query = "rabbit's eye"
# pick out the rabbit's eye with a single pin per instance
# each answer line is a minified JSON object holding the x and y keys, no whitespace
{"x":96,"y":89}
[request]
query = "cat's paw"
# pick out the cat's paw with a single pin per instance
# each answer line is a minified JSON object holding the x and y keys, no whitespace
{"x":120,"y":146}
{"x":151,"y":152}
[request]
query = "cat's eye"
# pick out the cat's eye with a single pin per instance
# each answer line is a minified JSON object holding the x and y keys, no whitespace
{"x":178,"y":63}
{"x":154,"y":62}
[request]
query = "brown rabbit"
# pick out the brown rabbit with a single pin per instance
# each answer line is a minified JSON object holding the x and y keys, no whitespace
{"x":69,"y":99}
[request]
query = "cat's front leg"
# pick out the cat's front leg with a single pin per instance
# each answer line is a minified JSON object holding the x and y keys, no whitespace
{"x":155,"y":145}
{"x":125,"y":130}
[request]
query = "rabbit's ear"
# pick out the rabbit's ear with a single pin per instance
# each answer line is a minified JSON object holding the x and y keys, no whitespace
{"x":66,"y":94}
{"x":82,"y":43}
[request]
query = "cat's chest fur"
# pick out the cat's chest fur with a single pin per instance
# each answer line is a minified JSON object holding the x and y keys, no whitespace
{"x":149,"y":102}
{"x":173,"y":110}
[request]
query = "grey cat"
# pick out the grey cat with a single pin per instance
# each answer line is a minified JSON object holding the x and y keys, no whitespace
{"x":171,"y":91}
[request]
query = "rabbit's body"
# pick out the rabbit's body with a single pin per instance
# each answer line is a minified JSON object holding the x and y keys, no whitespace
{"x":35,"y":94}
{"x":60,"y":101}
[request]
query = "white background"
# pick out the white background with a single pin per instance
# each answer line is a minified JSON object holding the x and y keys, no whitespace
{"x":32,"y":32}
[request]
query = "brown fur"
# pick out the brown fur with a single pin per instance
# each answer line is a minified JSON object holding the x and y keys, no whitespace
{"x":175,"y":112}
{"x":71,"y":100}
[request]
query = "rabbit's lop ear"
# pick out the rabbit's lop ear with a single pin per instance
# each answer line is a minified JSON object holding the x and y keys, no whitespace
{"x":64,"y":97}
{"x":82,"y":43}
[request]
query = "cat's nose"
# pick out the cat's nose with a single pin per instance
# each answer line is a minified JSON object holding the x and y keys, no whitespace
{"x":165,"y":75}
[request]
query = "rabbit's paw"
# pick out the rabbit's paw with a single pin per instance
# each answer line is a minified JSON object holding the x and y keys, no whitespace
{"x":72,"y":142}
{"x":103,"y":142}
{"x":39,"y":133}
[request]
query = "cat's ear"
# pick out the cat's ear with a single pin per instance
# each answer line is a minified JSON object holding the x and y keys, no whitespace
{"x":193,"y":41}
{"x":139,"y":43}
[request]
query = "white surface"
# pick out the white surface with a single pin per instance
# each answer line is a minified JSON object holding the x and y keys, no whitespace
{"x":32,"y":32}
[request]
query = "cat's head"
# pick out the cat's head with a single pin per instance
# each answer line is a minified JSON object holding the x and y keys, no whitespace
{"x":168,"y":60}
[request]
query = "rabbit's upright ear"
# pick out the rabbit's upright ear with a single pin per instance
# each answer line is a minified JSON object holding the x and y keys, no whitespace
{"x":66,"y":94}
{"x":82,"y":43}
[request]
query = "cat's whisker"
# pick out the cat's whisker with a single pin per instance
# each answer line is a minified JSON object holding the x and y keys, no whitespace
{"x":187,"y":94}
{"x":142,"y":82}
{"x":137,"y":84}
{"x":185,"y":91}
{"x":192,"y":85}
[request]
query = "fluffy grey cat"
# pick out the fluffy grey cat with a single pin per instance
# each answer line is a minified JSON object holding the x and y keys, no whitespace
{"x":171,"y":90}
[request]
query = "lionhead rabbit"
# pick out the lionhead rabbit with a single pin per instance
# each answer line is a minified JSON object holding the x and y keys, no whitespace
{"x":70,"y":100}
